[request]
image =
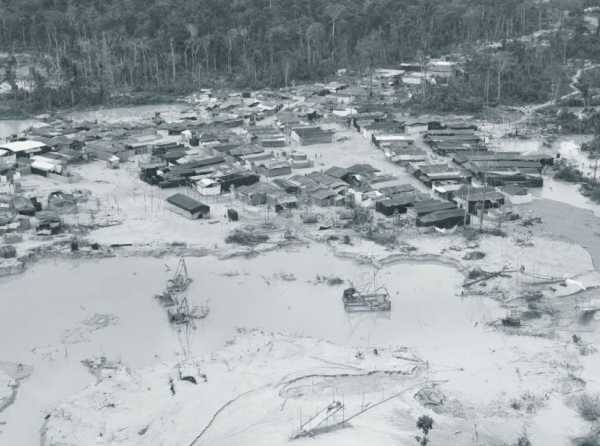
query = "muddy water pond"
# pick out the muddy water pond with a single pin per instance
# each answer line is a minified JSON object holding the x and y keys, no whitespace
{"x":61,"y":312}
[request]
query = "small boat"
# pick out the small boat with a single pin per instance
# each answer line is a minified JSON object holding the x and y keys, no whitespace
{"x":180,"y":281}
{"x":355,"y":301}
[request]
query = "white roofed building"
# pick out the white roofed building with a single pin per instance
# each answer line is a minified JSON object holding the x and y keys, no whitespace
{"x":25,"y":148}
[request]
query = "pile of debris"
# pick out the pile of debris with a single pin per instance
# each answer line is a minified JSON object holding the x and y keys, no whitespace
{"x":247,"y":237}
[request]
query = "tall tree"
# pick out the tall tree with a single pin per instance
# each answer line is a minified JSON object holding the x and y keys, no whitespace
{"x":334,"y":11}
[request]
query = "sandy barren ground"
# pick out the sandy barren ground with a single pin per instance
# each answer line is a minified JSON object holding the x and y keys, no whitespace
{"x":262,"y":387}
{"x":7,"y":390}
{"x":494,"y":388}
{"x":257,"y":390}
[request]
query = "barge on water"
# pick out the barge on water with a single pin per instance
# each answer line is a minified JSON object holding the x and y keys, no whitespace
{"x":357,"y":302}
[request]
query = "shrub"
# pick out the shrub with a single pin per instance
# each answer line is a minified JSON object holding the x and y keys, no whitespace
{"x":523,"y":441}
{"x":588,"y":407}
{"x":8,"y":252}
{"x":424,"y":424}
{"x":569,"y":173}
{"x":594,"y":194}
{"x":246,"y":237}
{"x":590,"y":440}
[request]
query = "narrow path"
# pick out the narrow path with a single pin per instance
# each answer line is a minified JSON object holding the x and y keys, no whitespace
{"x":529,"y":110}
{"x":219,"y":411}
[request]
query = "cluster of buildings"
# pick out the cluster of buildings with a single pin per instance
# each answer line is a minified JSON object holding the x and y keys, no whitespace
{"x":469,"y":153}
{"x":454,"y":137}
{"x":222,"y":147}
{"x":416,"y":74}
{"x":34,"y":156}
{"x":505,"y":168}
{"x":452,"y":160}
{"x":20,"y":211}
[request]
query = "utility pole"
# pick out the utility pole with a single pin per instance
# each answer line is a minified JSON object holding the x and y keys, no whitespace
{"x":481,"y":210}
{"x":482,"y":204}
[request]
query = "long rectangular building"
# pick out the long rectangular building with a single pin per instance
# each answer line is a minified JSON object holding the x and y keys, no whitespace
{"x":188,"y":206}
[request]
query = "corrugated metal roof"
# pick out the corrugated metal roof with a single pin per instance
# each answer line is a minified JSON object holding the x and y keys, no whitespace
{"x":23,"y":146}
{"x":187,"y":203}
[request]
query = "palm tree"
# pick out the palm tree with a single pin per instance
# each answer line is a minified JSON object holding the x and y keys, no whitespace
{"x":424,"y":424}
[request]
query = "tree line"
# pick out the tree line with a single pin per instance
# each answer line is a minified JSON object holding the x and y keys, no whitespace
{"x":91,"y":49}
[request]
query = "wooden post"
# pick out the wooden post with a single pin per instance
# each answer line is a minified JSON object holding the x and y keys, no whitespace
{"x":467,"y":205}
{"x":482,"y":205}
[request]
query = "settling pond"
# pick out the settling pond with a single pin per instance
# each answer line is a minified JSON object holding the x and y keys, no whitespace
{"x":43,"y":322}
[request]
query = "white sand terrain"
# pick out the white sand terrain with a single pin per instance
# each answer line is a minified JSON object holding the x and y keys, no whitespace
{"x":258,"y":390}
{"x":481,"y":382}
{"x":7,"y":390}
{"x":261,"y":388}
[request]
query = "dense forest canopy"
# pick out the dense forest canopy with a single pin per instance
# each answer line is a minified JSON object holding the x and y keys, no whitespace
{"x":97,"y":47}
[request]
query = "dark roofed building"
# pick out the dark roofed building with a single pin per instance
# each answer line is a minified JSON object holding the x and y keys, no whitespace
{"x":174,"y":154}
{"x":238,"y":179}
{"x":428,"y":206}
{"x":288,"y":186}
{"x":245,"y":151}
{"x":188,"y":207}
{"x":432,"y":174}
{"x":444,"y":219}
{"x":461,"y":138}
{"x":327,"y":181}
{"x":391,"y":206}
{"x":362,"y":169}
{"x":390,"y":191}
{"x":226,"y":147}
{"x":360,"y":175}
{"x":257,"y":194}
{"x":324,"y":197}
{"x":541,"y":158}
{"x":305,"y":183}
{"x":274,"y":168}
{"x":282,"y":201}
{"x":336,"y":172}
